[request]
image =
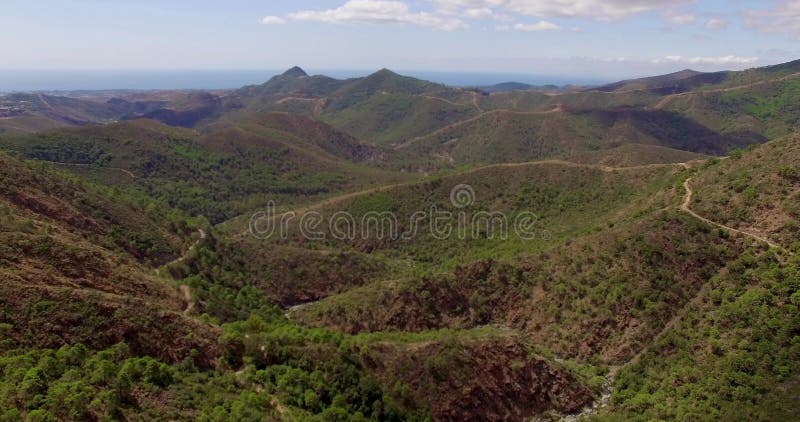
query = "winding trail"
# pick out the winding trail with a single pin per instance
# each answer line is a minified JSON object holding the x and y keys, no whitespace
{"x":184,"y":288}
{"x":187,"y":297}
{"x":444,"y":100}
{"x":187,"y":293}
{"x":680,"y":316}
{"x":191,"y":249}
{"x":127,"y":172}
{"x":606,"y":396}
{"x":327,"y":202}
{"x":475,"y":102}
{"x":556,"y":109}
{"x":290,"y":310}
{"x":319,"y":103}
{"x":344,"y":197}
{"x":41,"y":98}
{"x":686,"y":207}
{"x":667,"y":99}
{"x":662,"y":103}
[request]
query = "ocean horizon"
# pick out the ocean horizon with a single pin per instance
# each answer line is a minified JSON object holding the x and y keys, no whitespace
{"x":95,"y":80}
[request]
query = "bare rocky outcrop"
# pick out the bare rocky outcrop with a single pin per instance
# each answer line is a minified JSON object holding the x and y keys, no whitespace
{"x":483,"y":379}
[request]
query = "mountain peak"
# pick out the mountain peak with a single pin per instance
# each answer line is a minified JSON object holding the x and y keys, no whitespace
{"x":295,"y":72}
{"x":384,"y":73}
{"x":687,"y":72}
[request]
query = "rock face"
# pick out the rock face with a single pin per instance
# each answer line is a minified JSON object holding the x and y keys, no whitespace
{"x":484,"y":379}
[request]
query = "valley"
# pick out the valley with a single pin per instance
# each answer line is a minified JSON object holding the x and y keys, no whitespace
{"x":658,"y":278}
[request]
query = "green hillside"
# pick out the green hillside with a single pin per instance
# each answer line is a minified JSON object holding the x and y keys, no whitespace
{"x":757,"y":190}
{"x":218,"y":175}
{"x":392,"y":118}
{"x":91,"y":331}
{"x":709,"y":113}
{"x":75,"y":261}
{"x":768,"y":109}
{"x":625,"y":252}
{"x":657,"y":299}
{"x":506,"y":136}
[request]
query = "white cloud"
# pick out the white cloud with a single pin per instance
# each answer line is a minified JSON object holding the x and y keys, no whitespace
{"x":597,"y":9}
{"x":379,"y":12}
{"x":716,"y":24}
{"x":479,"y":13}
{"x":680,"y":19}
{"x":531,"y":27}
{"x":783,"y":18}
{"x":273,"y":20}
{"x":615,"y":59}
{"x":458,"y":6}
{"x":706,"y":60}
{"x":450,"y":15}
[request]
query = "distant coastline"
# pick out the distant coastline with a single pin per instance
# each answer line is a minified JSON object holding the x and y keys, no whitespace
{"x":90,"y":80}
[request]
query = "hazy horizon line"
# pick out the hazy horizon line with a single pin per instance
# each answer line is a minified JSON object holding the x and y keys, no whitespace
{"x":22,"y":80}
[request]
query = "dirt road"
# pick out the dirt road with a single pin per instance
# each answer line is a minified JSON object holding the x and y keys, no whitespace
{"x":686,"y":207}
{"x":127,"y":172}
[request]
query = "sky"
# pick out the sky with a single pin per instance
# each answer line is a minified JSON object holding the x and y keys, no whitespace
{"x":601,"y":39}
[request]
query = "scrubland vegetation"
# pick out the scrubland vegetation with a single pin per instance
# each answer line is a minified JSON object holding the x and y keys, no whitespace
{"x":132,"y":290}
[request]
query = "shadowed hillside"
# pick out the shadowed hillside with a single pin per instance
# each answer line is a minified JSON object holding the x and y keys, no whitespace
{"x":505,"y":136}
{"x":389,"y":109}
{"x":677,"y":81}
{"x":220,"y":174}
{"x":648,"y":279}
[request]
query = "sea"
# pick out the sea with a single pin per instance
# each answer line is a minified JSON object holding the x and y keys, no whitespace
{"x":79,"y":80}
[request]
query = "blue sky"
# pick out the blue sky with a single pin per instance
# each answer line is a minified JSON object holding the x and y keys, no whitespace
{"x":597,"y":38}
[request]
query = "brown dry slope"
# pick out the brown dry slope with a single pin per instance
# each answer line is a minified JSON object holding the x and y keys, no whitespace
{"x":493,"y":378}
{"x":70,"y":278}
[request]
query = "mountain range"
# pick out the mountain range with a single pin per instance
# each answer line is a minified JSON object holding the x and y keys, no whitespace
{"x":661,"y":283}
